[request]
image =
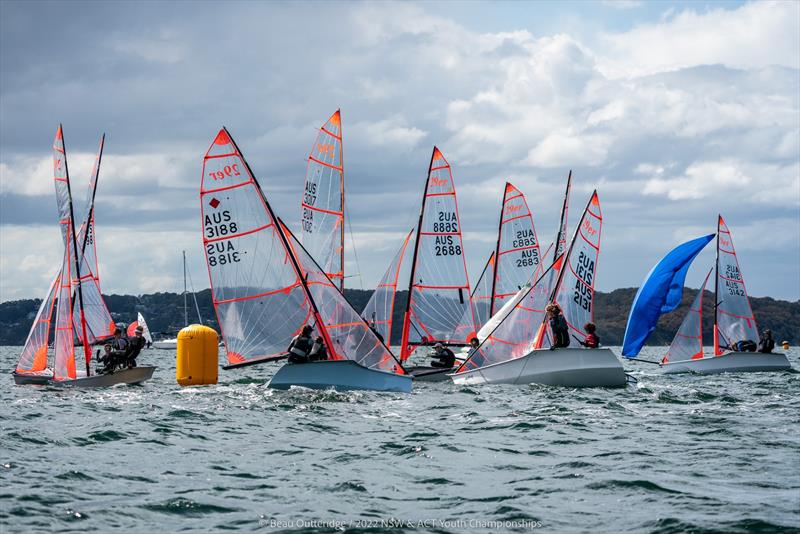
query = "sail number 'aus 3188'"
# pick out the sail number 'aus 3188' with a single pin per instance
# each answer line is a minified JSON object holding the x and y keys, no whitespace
{"x":584,"y":275}
{"x":218,"y":225}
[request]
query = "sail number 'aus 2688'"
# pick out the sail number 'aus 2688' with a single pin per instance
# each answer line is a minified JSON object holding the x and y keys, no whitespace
{"x":447,"y":223}
{"x":445,"y":245}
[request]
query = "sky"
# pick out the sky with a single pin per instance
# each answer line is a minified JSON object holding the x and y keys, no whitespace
{"x":674,"y":112}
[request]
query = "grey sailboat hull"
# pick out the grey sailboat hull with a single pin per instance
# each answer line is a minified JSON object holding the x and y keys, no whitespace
{"x":135,"y":375}
{"x":342,"y":375}
{"x":569,"y":367}
{"x":731,"y":362}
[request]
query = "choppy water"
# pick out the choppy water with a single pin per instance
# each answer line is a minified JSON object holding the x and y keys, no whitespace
{"x":672,"y":454}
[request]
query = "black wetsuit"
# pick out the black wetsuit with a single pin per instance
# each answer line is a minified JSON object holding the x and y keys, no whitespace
{"x":444,"y":359}
{"x":135,"y":346}
{"x":318,"y":352}
{"x":766,"y":344}
{"x":560,"y":331}
{"x":299,"y":348}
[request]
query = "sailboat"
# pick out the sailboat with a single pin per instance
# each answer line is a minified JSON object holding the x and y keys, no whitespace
{"x":438,"y":290}
{"x":145,"y":329}
{"x":33,"y":366}
{"x":172,"y":343}
{"x":322,"y":206}
{"x":733,"y":322}
{"x":516,"y":351}
{"x":380,"y":308}
{"x":265,"y":288}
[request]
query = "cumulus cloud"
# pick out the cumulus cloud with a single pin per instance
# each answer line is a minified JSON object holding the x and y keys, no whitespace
{"x":673,"y":119}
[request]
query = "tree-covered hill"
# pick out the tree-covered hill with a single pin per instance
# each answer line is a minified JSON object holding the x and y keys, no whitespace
{"x":164,"y":313}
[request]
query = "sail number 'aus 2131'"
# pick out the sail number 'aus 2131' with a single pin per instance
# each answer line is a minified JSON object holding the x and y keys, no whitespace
{"x":584,"y":275}
{"x":227,"y":170}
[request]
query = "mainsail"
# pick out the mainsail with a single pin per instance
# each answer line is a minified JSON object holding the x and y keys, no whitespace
{"x":517,"y":252}
{"x":514,"y":335}
{"x":322,"y":206}
{"x":257,"y":293}
{"x":34,"y":354}
{"x":574,"y":289}
{"x":482,"y":295}
{"x":438,"y":292}
{"x":264,"y":285}
{"x":99,"y":323}
{"x":380,"y":308}
{"x":688,"y":341}
{"x":64,"y":350}
{"x":734,"y":319}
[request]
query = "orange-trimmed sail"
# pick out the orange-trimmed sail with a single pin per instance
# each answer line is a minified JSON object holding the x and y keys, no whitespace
{"x":734,"y":320}
{"x":688,"y":341}
{"x":439,"y":293}
{"x":322,"y":206}
{"x":34,"y":353}
{"x":517,"y":252}
{"x":256,"y":290}
{"x":574,"y":290}
{"x":380,"y":308}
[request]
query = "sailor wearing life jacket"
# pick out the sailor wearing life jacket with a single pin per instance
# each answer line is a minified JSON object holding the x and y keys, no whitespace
{"x":300,"y":346}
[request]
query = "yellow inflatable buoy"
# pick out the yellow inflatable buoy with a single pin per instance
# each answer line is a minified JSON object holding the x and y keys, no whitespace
{"x":785,"y":345}
{"x":197,"y":356}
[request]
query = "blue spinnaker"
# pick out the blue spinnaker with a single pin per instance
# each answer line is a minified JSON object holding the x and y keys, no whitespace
{"x":660,"y":293}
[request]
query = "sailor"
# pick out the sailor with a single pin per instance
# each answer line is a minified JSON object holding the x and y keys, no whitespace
{"x":119,"y":343}
{"x":443,"y":358}
{"x":300,"y":346}
{"x":766,"y":343}
{"x":107,"y":359}
{"x":592,"y":341}
{"x":135,"y":346}
{"x":558,"y":324}
{"x":318,"y":350}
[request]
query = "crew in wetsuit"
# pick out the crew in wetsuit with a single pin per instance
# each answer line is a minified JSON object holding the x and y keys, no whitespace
{"x":558,"y":324}
{"x":119,"y":343}
{"x":300,"y":346}
{"x":443,"y":358}
{"x":135,"y":346}
{"x":318,"y":350}
{"x":592,"y":341}
{"x":766,"y":343}
{"x":108,"y":360}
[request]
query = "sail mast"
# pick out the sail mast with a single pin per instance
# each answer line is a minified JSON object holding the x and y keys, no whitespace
{"x":562,"y":225}
{"x":717,"y":350}
{"x":404,"y":352}
{"x":341,"y":174}
{"x":87,"y":351}
{"x":497,"y":251}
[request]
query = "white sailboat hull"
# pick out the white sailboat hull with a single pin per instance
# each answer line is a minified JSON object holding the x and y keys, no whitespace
{"x":731,"y":362}
{"x":166,"y":344}
{"x":136,"y":375}
{"x":342,"y":375}
{"x":569,"y":367}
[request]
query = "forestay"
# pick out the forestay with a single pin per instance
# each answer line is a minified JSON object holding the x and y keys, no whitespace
{"x":34,"y":353}
{"x":688,"y":341}
{"x":734,"y":317}
{"x":256,"y":291}
{"x":380,"y":308}
{"x":439,"y":289}
{"x":322,"y":207}
{"x":515,"y":334}
{"x":574,"y":292}
{"x":518,"y":253}
{"x":347,"y":334}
